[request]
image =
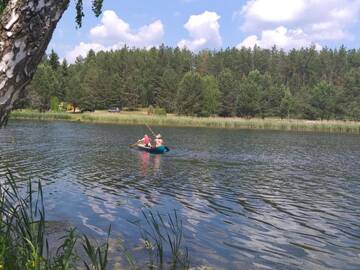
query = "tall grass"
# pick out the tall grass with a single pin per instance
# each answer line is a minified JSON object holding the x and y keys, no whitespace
{"x":335,"y":126}
{"x":163,"y":241}
{"x":24,"y":246}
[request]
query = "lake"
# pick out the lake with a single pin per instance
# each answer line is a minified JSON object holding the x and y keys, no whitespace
{"x":247,"y":199}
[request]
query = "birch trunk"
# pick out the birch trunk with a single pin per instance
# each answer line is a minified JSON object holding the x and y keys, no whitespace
{"x":26,"y":28}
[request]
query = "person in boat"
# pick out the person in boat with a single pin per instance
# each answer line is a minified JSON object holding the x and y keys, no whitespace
{"x":159,"y":141}
{"x":146,"y":140}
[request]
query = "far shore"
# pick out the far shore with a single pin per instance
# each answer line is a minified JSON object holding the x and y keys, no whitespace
{"x":141,"y":118}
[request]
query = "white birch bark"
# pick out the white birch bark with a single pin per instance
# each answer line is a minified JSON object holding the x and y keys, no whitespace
{"x":26,"y":28}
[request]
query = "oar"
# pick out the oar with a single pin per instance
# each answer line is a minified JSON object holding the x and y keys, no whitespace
{"x":134,"y":144}
{"x":153,"y":133}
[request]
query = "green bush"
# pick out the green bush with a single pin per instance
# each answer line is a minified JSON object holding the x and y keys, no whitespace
{"x":54,"y":104}
{"x":160,"y":111}
{"x":130,"y":109}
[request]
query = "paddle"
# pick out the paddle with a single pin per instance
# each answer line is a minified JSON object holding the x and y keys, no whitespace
{"x":153,"y":133}
{"x":134,"y":144}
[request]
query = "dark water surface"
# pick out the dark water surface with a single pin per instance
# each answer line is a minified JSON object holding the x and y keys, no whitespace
{"x":248,"y":199}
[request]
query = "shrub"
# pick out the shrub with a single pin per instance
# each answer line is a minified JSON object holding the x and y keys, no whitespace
{"x":54,"y":104}
{"x":160,"y":111}
{"x":130,"y":109}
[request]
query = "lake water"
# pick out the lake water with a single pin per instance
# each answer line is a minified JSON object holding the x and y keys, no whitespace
{"x":247,"y":199}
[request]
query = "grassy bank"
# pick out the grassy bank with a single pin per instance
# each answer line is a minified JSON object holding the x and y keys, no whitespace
{"x":140,"y":118}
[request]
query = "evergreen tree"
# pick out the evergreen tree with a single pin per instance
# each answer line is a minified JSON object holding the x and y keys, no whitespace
{"x":287,"y":103}
{"x":44,"y":85}
{"x":323,"y":100}
{"x":74,"y":91}
{"x":54,"y":60}
{"x":249,"y":98}
{"x":250,"y":82}
{"x":211,"y":96}
{"x":350,"y":97}
{"x":168,"y":84}
{"x":228,"y":87}
{"x":190,"y":94}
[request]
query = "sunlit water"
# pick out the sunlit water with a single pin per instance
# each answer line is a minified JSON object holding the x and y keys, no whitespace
{"x":248,"y":199}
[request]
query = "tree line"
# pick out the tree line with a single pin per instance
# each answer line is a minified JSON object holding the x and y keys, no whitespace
{"x":302,"y":83}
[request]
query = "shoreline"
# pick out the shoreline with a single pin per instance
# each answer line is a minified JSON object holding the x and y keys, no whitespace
{"x":140,"y":118}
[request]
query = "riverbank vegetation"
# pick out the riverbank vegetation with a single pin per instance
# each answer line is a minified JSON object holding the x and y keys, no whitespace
{"x":141,"y":118}
{"x":302,"y":83}
{"x":24,"y":244}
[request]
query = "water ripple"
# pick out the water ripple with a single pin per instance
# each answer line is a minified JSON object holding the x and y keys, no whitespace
{"x":248,"y":199}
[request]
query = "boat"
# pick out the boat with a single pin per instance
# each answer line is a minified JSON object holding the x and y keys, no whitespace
{"x":157,"y":150}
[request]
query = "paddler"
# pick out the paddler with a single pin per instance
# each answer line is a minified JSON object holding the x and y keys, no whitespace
{"x":159,"y":141}
{"x":146,"y":140}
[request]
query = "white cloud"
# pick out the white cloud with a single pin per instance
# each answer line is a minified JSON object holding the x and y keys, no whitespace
{"x":258,"y":13}
{"x":114,"y":33}
{"x":281,"y":37}
{"x":82,"y":49}
{"x":114,"y":29}
{"x":272,"y":11}
{"x":305,"y":21}
{"x":203,"y":30}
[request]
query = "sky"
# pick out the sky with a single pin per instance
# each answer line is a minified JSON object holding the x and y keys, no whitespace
{"x":209,"y":24}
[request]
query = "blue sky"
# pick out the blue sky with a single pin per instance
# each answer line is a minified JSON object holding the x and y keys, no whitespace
{"x":212,"y":24}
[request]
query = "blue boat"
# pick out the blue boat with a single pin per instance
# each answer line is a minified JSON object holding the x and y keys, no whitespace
{"x":157,"y":150}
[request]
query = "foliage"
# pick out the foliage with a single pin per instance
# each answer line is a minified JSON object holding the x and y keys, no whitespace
{"x":287,"y":103}
{"x":138,"y":118}
{"x":3,"y":4}
{"x":229,"y":87}
{"x":23,"y":244}
{"x":54,"y":60}
{"x":252,"y":89}
{"x":160,"y":111}
{"x":233,"y":82}
{"x":54,"y":104}
{"x":79,"y":7}
{"x":79,"y":12}
{"x":98,"y":256}
{"x":190,"y":94}
{"x":211,"y":95}
{"x":97,"y":6}
{"x":45,"y":85}
{"x":350,"y":96}
{"x":163,"y":235}
{"x":323,"y":100}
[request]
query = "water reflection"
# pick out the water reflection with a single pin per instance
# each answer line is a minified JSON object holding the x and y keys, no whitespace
{"x":148,"y":163}
{"x":144,"y":159}
{"x":258,"y":200}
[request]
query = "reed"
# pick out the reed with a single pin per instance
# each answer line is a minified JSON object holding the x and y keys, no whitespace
{"x":24,"y":246}
{"x":163,"y":240}
{"x":135,"y":118}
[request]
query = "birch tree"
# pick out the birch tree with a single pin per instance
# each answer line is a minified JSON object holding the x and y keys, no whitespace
{"x":26,"y":28}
